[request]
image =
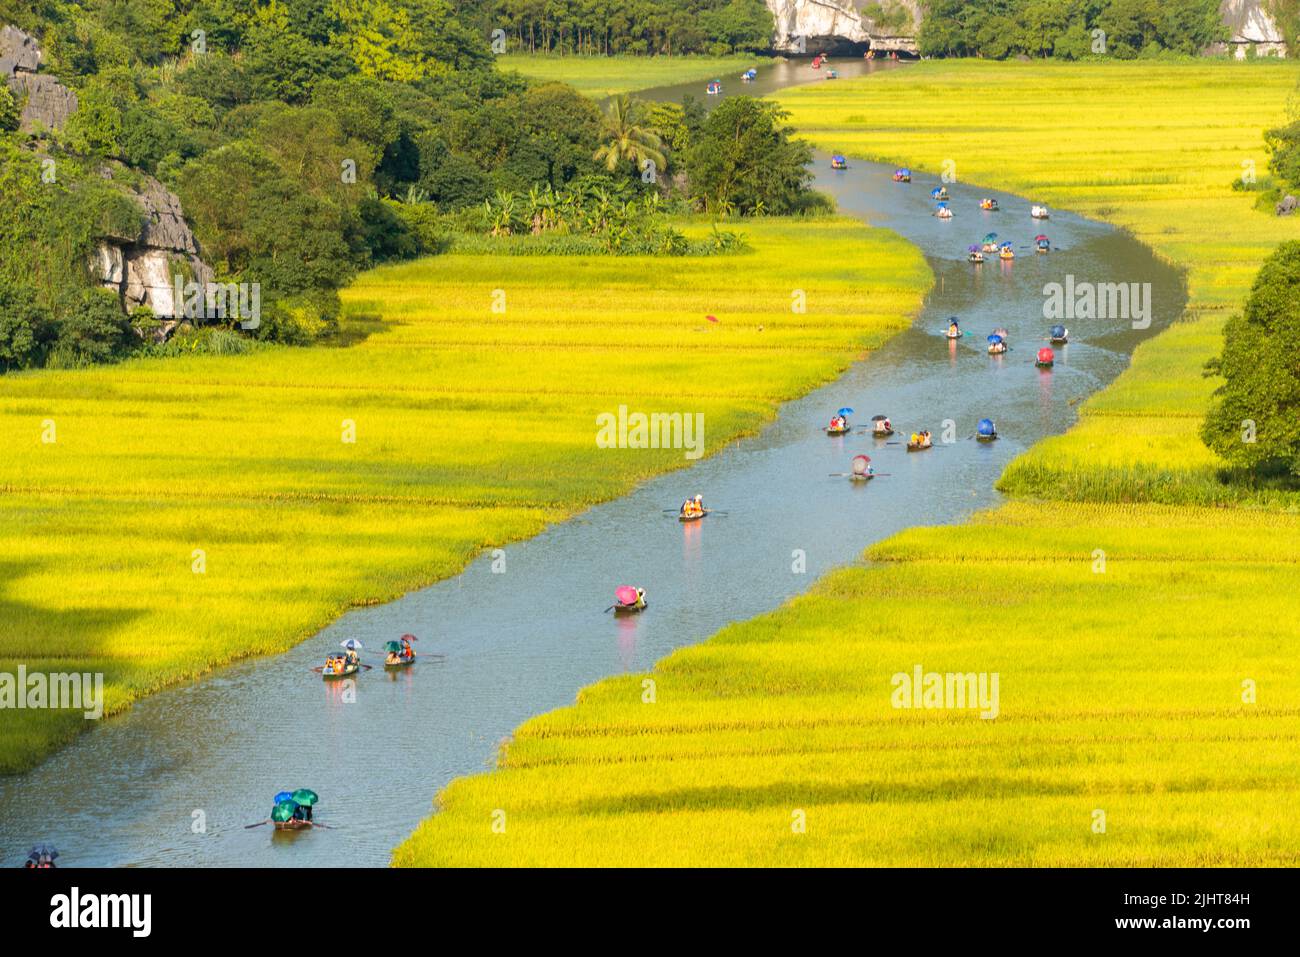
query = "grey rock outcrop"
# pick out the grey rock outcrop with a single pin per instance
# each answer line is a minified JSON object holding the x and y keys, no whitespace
{"x":142,"y":268}
{"x":806,"y":26}
{"x":1250,"y":26}
{"x":1287,"y":206}
{"x":47,"y":103}
{"x":19,"y":52}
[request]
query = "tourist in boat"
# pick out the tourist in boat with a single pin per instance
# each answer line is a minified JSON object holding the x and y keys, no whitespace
{"x":924,"y":440}
{"x":838,"y":422}
{"x":953,"y":331}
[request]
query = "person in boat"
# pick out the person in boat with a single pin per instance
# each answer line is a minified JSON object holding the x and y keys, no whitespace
{"x":953,"y":329}
{"x":884,"y":425}
{"x":915,"y":439}
{"x":640,"y":598}
{"x":925,"y":440}
{"x":838,"y":422}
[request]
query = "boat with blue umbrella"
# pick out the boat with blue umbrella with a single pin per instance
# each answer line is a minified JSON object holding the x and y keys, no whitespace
{"x":939,"y":193}
{"x":943,"y":211}
{"x":1058,"y":335}
{"x":986,"y":431}
{"x":974,"y":254}
{"x":840,"y":422}
{"x":902,"y":175}
{"x":839,"y":162}
{"x":997,"y":345}
{"x":990,"y":244}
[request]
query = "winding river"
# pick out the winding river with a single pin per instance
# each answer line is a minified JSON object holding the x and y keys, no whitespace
{"x":174,"y":781}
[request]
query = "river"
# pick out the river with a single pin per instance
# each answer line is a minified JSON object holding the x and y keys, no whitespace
{"x":174,"y":781}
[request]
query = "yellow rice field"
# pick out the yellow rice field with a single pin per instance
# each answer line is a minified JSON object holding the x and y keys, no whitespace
{"x":165,"y":516}
{"x":1145,"y":645}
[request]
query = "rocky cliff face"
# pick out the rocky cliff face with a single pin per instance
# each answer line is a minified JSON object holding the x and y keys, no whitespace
{"x":1251,"y":25}
{"x":139,"y":267}
{"x":806,"y":26}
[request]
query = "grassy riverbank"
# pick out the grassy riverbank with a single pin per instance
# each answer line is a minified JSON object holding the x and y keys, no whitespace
{"x":473,"y":428}
{"x":601,"y":76}
{"x":1125,"y":620}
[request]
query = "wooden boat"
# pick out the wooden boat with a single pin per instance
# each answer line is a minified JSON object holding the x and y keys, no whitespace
{"x":621,"y":609}
{"x":882,"y":433}
{"x":293,"y":824}
{"x":862,"y":477}
{"x":919,"y":446}
{"x":986,"y":438}
{"x":997,"y":348}
{"x":989,"y":205}
{"x":399,"y":661}
{"x":332,"y":670}
{"x":1039,"y":212}
{"x":693,"y":517}
{"x":953,"y":335}
{"x":975,"y":256}
{"x":844,"y":431}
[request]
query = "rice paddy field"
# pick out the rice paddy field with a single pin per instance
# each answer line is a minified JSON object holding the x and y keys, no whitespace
{"x":1140,"y":615}
{"x":602,"y":76}
{"x":162,"y":517}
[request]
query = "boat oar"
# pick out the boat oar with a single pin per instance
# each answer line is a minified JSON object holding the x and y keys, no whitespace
{"x":258,"y":824}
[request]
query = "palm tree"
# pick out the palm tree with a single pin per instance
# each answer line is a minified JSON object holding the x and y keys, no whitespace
{"x":626,"y":139}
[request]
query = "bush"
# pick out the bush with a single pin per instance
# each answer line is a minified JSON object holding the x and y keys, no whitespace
{"x":25,"y":328}
{"x":96,"y":330}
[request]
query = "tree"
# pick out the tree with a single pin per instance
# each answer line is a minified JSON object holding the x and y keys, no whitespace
{"x":96,"y":126}
{"x":1256,"y":421}
{"x":95,"y":330}
{"x":25,"y":327}
{"x":743,"y":156}
{"x":9,"y":112}
{"x":626,"y":139}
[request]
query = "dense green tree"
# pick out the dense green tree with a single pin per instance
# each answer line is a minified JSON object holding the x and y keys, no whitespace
{"x":743,"y":160}
{"x":1256,"y":421}
{"x":94,"y":329}
{"x":25,"y":326}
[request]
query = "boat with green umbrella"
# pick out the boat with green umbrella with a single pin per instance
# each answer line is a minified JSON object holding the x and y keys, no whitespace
{"x":399,"y":654}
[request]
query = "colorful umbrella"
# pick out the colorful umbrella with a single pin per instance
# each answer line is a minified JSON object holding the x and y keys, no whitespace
{"x":305,"y":797}
{"x":625,"y":594}
{"x":351,"y":644}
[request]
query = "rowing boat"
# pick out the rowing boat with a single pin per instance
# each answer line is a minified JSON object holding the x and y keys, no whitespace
{"x":862,"y":477}
{"x":329,"y":671}
{"x":621,"y":609}
{"x":919,"y":447}
{"x":693,"y":517}
{"x":986,"y":438}
{"x":843,"y":431}
{"x":882,"y":433}
{"x":399,"y":661}
{"x":293,"y":824}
